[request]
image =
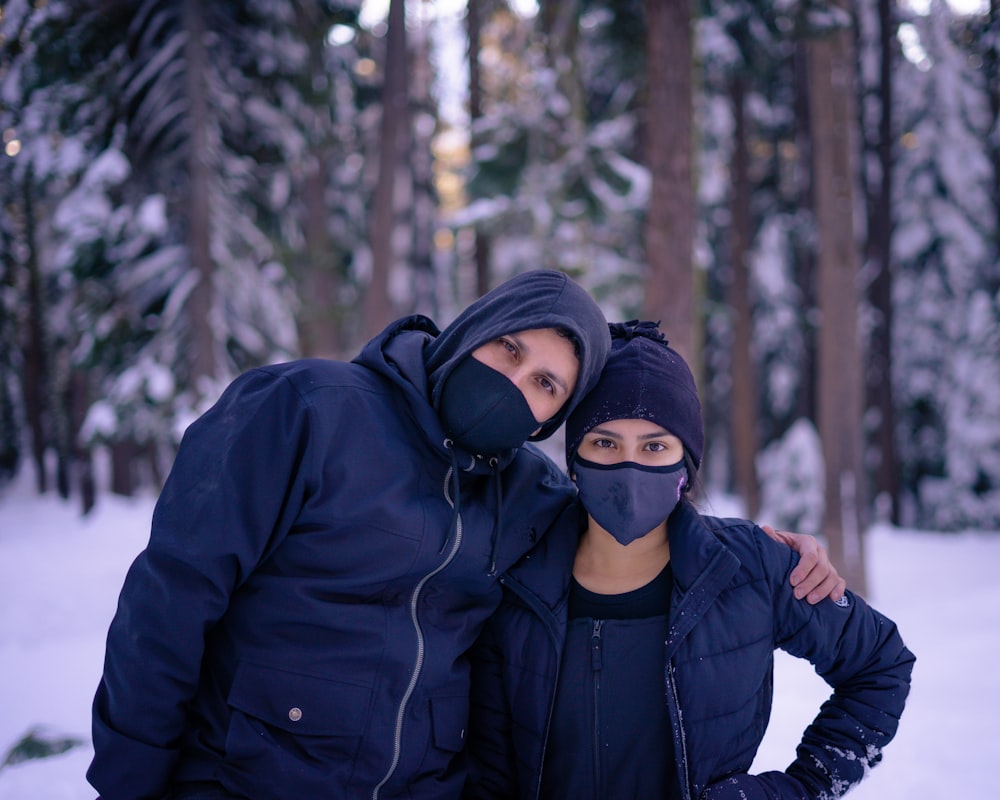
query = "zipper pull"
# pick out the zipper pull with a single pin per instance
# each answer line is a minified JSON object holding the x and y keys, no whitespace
{"x":596,"y":660}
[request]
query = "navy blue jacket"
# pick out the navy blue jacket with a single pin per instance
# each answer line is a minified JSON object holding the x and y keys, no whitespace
{"x":297,"y":626}
{"x":731,"y":607}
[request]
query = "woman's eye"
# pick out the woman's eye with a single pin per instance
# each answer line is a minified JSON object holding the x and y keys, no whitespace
{"x":656,"y":447}
{"x":603,"y":443}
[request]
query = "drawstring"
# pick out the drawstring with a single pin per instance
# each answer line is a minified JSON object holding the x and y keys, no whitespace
{"x":498,"y":520}
{"x":454,"y":497}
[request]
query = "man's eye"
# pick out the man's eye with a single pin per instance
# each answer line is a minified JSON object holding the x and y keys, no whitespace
{"x":509,"y":347}
{"x":546,"y":384}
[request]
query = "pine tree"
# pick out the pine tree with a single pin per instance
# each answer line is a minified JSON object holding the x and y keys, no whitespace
{"x":58,"y":78}
{"x":551,"y":182}
{"x":754,"y":218}
{"x":149,"y":213}
{"x":946,"y":374}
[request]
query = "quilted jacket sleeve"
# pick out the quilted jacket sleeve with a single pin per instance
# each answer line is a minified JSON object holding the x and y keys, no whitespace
{"x":860,"y":654}
{"x":230,"y":495}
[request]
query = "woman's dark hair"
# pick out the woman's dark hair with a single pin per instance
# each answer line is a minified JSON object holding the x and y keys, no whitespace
{"x":693,"y":486}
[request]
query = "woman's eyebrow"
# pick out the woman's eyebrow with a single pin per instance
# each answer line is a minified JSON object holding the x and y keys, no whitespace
{"x":605,"y":432}
{"x":612,"y":435}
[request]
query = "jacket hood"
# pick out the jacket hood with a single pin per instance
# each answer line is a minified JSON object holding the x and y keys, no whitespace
{"x":532,"y":300}
{"x":397,"y":354}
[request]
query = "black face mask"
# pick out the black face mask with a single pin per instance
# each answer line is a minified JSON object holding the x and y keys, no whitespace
{"x":628,"y":500}
{"x":483,"y":411}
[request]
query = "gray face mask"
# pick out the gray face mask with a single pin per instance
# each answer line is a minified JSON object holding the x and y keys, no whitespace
{"x":483,"y":411}
{"x":628,"y":500}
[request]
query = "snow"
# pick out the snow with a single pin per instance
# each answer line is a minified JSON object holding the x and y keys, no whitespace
{"x":60,"y":575}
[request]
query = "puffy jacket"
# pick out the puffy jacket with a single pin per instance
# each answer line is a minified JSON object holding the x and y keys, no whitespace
{"x":320,"y":560}
{"x":731,"y":607}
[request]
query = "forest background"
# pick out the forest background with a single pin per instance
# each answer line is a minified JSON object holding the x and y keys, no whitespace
{"x":805,"y":192}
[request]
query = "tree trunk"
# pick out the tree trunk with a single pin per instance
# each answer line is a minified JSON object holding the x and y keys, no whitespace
{"x":805,"y":256}
{"x":83,"y":466}
{"x":197,"y":206}
{"x":417,"y":174}
{"x":36,"y":369}
{"x":991,"y":69}
{"x":319,"y":332}
{"x":11,"y":433}
{"x":840,"y":394}
{"x":378,"y":310}
{"x":669,"y":237}
{"x":879,"y":373}
{"x":63,"y":432}
{"x":482,"y":240}
{"x":744,"y":387}
{"x":124,"y":457}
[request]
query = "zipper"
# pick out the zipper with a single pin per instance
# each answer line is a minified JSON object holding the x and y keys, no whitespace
{"x":681,"y":738}
{"x":397,"y":741}
{"x":596,"y":664}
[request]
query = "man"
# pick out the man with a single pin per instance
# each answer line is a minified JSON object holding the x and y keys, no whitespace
{"x":326,"y":549}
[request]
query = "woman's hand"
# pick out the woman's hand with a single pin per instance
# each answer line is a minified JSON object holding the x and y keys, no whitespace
{"x":764,"y":786}
{"x":814,"y":578}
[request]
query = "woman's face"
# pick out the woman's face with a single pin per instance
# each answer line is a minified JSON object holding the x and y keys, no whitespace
{"x":637,"y":440}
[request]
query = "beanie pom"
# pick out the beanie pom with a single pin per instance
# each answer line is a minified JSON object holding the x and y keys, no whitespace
{"x":626,"y":331}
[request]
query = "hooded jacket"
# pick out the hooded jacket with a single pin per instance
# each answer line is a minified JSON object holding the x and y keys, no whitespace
{"x":319,"y":562}
{"x":731,"y":606}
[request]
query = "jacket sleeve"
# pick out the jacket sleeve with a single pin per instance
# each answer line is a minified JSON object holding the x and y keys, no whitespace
{"x":861,"y":655}
{"x":231,"y":495}
{"x":489,"y":749}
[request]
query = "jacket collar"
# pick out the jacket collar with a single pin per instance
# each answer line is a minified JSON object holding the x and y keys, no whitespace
{"x":542,"y":576}
{"x":702,"y":567}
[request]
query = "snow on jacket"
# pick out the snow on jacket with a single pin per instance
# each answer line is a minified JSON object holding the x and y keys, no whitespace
{"x":731,"y":607}
{"x":297,"y":626}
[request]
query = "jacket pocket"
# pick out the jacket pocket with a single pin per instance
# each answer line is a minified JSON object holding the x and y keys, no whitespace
{"x":302,"y":704}
{"x":449,"y":718}
{"x":293,"y":735}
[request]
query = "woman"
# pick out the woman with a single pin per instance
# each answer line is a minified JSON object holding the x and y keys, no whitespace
{"x":632,"y":656}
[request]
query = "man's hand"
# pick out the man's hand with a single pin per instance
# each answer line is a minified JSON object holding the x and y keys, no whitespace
{"x":814,"y":578}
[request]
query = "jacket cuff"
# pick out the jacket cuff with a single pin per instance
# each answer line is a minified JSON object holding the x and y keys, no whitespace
{"x":127,"y":769}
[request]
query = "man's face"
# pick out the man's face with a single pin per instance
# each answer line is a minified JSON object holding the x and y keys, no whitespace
{"x":539,"y":362}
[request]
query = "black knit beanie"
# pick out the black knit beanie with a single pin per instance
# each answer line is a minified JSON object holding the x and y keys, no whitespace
{"x":644,"y":378}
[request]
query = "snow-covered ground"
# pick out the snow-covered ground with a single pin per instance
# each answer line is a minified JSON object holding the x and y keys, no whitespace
{"x":60,"y":575}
